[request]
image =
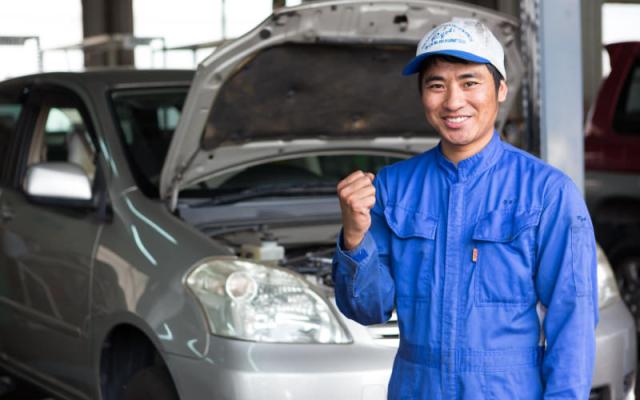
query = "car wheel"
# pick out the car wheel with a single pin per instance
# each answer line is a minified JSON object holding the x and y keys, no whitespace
{"x":152,"y":383}
{"x":628,"y":276}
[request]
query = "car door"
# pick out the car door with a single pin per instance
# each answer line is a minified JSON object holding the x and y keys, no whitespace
{"x":12,"y":111}
{"x":52,"y":245}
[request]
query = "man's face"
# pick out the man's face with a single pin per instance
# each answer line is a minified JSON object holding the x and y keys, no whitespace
{"x":461,"y":103}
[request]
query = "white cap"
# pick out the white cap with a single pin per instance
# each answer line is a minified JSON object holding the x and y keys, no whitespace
{"x":468,"y":39}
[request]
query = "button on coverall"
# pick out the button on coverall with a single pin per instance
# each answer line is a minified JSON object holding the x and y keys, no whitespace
{"x":476,"y":259}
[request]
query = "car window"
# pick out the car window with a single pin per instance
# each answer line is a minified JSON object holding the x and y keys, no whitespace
{"x":10,"y":109}
{"x":147,"y":120}
{"x":62,"y":134}
{"x":627,"y":118}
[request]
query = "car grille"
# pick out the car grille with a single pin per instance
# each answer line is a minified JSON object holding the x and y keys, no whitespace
{"x":387,"y":334}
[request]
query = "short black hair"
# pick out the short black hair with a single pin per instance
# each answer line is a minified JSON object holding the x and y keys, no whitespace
{"x":430,"y":61}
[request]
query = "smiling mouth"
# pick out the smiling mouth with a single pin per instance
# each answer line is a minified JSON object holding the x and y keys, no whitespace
{"x":456,"y":120}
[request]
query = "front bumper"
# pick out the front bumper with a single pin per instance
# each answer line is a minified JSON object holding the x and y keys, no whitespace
{"x":616,"y":354}
{"x":240,"y":370}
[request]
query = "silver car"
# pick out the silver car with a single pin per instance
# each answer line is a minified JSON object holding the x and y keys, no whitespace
{"x":165,"y":235}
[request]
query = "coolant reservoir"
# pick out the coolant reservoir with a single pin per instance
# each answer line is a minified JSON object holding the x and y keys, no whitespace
{"x":268,"y":251}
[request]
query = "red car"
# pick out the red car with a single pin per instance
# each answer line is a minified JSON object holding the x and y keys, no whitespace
{"x":613,"y":130}
{"x":612,"y":158}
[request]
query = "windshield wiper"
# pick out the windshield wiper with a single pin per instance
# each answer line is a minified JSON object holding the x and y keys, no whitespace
{"x":266,"y":191}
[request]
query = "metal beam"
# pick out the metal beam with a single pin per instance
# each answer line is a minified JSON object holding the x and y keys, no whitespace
{"x":561,"y":111}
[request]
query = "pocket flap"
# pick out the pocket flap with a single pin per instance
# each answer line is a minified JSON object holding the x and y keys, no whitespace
{"x":407,"y":223}
{"x":504,"y":225}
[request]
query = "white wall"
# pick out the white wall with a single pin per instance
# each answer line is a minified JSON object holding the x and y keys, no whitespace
{"x":57,"y":23}
{"x":186,"y":22}
{"x":620,"y":22}
{"x":181,"y":22}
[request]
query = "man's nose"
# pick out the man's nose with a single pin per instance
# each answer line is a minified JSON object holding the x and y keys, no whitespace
{"x":455,"y":98}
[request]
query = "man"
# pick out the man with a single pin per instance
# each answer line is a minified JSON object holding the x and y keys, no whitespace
{"x":482,"y":249}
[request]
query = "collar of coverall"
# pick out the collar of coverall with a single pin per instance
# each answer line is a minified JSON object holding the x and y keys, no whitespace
{"x":474,"y":165}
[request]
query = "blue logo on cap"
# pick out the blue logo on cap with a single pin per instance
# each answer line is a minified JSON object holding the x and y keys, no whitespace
{"x":443,"y":36}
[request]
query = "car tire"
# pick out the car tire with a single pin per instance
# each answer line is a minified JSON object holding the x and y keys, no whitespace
{"x":151,"y":383}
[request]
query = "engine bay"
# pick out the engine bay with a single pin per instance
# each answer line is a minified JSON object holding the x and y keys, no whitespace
{"x":305,"y":249}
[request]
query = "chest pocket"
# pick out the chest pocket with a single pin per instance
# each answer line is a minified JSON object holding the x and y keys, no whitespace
{"x":504,"y":266}
{"x":412,"y":250}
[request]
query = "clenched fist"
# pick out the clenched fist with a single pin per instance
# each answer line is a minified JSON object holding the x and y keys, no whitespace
{"x":357,"y":196}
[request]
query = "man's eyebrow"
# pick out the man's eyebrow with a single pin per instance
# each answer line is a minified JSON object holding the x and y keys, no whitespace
{"x":432,"y":78}
{"x":468,"y":75}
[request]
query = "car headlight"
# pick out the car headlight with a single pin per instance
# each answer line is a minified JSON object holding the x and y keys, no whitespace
{"x":250,"y":301}
{"x":607,"y":287}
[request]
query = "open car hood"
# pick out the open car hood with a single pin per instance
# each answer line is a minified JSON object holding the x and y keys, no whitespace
{"x":311,"y":77}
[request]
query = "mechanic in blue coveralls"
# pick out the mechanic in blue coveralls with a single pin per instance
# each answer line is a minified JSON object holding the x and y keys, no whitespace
{"x":483,"y":249}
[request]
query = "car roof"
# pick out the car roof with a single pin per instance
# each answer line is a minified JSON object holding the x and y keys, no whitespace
{"x":110,"y":77}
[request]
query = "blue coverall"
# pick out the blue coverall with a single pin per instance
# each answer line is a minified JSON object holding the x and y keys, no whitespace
{"x":475,"y":258}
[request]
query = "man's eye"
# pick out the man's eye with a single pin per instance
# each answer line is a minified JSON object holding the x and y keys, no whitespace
{"x":435,"y":86}
{"x":470,"y":84}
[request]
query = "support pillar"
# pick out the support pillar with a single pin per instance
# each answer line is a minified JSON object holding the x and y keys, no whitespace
{"x":561,"y":99}
{"x":100,"y":17}
{"x":591,"y":50}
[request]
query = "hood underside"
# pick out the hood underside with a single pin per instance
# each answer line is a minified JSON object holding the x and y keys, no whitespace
{"x":295,"y":91}
{"x":324,"y":71}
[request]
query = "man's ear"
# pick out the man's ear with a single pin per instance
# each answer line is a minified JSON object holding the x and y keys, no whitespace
{"x":502,"y":91}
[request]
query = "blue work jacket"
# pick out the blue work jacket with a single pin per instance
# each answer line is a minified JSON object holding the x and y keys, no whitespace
{"x":482,"y":262}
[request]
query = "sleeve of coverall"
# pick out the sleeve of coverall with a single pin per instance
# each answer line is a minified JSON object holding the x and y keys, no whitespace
{"x":566,"y":284}
{"x":363,"y":283}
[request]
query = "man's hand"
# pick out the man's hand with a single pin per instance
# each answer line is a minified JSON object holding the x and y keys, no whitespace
{"x":357,"y":196}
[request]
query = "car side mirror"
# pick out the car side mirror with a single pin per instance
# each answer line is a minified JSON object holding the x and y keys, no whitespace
{"x":59,"y":183}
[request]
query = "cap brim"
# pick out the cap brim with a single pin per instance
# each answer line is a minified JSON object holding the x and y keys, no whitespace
{"x":414,"y":65}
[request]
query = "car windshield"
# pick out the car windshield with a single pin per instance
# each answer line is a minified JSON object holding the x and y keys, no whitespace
{"x":148,"y":118}
{"x":309,"y":174}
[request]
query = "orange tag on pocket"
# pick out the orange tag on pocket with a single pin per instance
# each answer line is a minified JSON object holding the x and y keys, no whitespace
{"x":474,"y":255}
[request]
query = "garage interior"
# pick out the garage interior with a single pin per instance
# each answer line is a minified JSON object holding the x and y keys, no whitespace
{"x":109,"y":40}
{"x":559,"y":88}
